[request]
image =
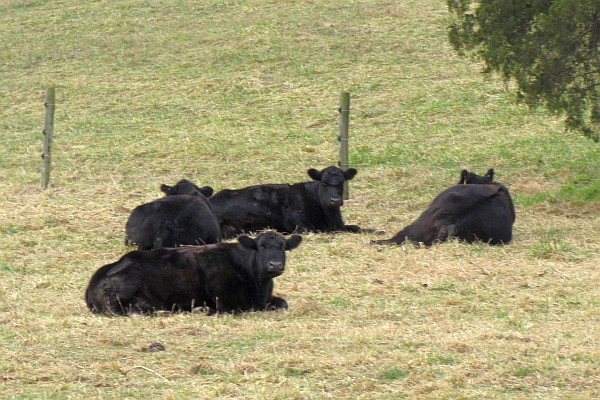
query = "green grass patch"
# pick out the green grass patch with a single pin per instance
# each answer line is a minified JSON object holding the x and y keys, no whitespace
{"x":9,"y":229}
{"x":394,"y":374}
{"x":442,"y":359}
{"x":444,"y":286}
{"x":522,"y":372}
{"x":340,"y":302}
{"x":8,"y":267}
{"x":582,"y":189}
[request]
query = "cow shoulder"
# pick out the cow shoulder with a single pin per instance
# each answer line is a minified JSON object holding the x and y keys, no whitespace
{"x":465,"y":196}
{"x":219,"y":256}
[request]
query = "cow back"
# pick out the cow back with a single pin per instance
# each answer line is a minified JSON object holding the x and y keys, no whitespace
{"x":481,"y":212}
{"x":250,"y":209}
{"x":172,"y":221}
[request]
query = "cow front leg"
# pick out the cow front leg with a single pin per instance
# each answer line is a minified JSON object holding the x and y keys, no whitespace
{"x":352,"y":228}
{"x":446,"y":232}
{"x":276,"y":303}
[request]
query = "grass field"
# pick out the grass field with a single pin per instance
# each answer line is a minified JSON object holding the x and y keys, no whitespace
{"x":234,"y":93}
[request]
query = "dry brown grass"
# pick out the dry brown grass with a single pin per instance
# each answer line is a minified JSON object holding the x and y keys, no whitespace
{"x":451,"y":321}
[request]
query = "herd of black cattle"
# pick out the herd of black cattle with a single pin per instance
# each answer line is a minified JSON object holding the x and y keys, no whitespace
{"x":182,"y":264}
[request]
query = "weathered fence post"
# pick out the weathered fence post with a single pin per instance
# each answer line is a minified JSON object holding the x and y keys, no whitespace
{"x":48,"y":132}
{"x":343,"y":138}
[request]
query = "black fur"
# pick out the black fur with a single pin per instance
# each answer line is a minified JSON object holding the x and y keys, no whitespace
{"x":223,"y":277}
{"x":173,"y":221}
{"x":481,"y":212}
{"x":300,"y":207}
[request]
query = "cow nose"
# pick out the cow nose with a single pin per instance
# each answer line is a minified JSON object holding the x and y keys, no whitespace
{"x":336,"y":201}
{"x":276,"y":266}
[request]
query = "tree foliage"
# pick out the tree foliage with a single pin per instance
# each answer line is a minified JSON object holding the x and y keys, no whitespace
{"x":549,"y":48}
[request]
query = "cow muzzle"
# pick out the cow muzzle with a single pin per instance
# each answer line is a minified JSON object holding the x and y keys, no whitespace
{"x":276,"y":267}
{"x":336,"y":202}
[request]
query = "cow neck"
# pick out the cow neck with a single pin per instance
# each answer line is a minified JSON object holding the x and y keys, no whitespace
{"x":259,"y":279}
{"x":188,"y":204}
{"x":332,"y":217}
{"x":323,"y":214}
{"x":247,"y":260}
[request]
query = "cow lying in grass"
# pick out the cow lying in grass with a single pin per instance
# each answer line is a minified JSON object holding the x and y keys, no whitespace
{"x":313,"y":206}
{"x":183,"y":217}
{"x":471,"y":212}
{"x":222,"y":277}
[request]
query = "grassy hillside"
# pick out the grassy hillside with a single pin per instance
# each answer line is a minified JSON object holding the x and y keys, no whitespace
{"x":230,"y":94}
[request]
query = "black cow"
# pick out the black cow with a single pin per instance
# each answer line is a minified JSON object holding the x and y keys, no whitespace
{"x":186,"y":187}
{"x":300,"y":207}
{"x":174,"y":220}
{"x":467,"y":177}
{"x":222,"y":277}
{"x":480,"y":212}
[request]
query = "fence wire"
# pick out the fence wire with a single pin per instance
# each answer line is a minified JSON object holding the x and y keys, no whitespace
{"x":77,"y":124}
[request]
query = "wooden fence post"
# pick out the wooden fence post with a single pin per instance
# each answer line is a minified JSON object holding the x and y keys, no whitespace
{"x":48,"y":132}
{"x":343,"y":138}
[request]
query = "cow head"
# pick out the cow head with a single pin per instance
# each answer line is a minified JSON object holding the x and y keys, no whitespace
{"x":467,"y":177}
{"x":331,"y":184}
{"x":186,"y":187}
{"x":270,"y":250}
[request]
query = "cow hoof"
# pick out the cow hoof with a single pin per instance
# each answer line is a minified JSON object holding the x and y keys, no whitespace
{"x":380,"y":242}
{"x":277,"y":303}
{"x":154,"y":347}
{"x":163,"y":313}
{"x":201,"y":310}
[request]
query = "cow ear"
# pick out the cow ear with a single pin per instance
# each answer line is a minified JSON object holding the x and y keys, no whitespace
{"x":314,"y":174}
{"x":165,"y":189}
{"x":247,"y":242}
{"x":350,"y":173}
{"x":490,"y":174}
{"x":292,"y":242}
{"x":207,"y":191}
{"x":119,"y":266}
{"x":463,"y":176}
